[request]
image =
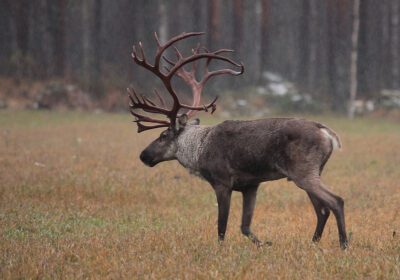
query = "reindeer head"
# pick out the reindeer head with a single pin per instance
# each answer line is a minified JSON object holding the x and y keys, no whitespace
{"x":165,"y":146}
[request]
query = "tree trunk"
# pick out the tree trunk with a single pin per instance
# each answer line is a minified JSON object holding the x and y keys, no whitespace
{"x":339,"y":53}
{"x":22,"y":23}
{"x":92,"y":46}
{"x":354,"y":54}
{"x":237,"y":26}
{"x":213,"y":23}
{"x":21,"y":12}
{"x":163,"y":27}
{"x":97,"y":84}
{"x":394,"y":44}
{"x":59,"y":38}
{"x":43,"y":46}
{"x":265,"y":7}
{"x":385,"y":31}
{"x":309,"y":45}
{"x":87,"y":57}
{"x":197,"y":15}
{"x":5,"y":37}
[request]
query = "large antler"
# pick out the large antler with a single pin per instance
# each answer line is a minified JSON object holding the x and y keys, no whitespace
{"x":197,"y":86}
{"x":177,"y":67}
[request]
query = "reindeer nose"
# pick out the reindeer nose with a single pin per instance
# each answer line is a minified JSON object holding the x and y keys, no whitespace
{"x":145,"y":157}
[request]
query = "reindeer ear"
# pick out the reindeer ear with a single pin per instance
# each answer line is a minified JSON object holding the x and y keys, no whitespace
{"x":182,"y":121}
{"x":194,"y":122}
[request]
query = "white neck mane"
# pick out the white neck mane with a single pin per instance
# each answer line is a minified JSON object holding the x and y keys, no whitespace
{"x":190,"y":146}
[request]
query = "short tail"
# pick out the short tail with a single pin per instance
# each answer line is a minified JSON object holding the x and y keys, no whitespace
{"x":331,"y":135}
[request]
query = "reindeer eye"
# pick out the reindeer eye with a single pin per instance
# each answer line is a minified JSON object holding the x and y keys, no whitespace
{"x":163,"y":136}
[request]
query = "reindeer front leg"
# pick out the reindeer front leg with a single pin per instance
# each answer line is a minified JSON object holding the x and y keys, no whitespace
{"x":224,"y":201}
{"x":249,"y":202}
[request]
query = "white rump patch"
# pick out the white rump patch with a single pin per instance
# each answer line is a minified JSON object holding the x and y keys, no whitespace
{"x":333,"y":138}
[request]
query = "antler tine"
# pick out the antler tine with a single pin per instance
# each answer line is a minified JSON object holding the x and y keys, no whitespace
{"x":190,"y":76}
{"x":145,"y":104}
{"x":187,"y":76}
{"x":145,"y":99}
{"x":179,"y":56}
{"x":141,"y":118}
{"x":195,"y":51}
{"x":166,"y":68}
{"x":192,"y":58}
{"x":157,"y":40}
{"x":134,"y":54}
{"x":132,"y":95}
{"x":142,"y":127}
{"x":209,"y":74}
{"x":159,"y":98}
{"x":217,"y":52}
{"x":178,"y":53}
{"x":223,"y":50}
{"x":193,"y":109}
{"x":162,"y":48}
{"x":142,"y":61}
{"x":142,"y":51}
{"x":169,"y":61}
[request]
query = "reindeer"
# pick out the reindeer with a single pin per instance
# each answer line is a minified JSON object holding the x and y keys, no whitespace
{"x":234,"y":155}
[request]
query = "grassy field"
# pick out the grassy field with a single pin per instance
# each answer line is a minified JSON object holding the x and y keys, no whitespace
{"x":76,"y":202}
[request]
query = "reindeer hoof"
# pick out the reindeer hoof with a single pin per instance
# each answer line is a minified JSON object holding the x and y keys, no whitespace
{"x":267,"y":243}
{"x":344,"y":246}
{"x":260,"y":244}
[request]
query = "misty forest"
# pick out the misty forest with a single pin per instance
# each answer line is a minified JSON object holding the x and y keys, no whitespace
{"x":306,"y":55}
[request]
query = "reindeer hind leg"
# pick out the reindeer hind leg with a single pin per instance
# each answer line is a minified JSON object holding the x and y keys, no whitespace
{"x":322,"y":213}
{"x":312,"y":184}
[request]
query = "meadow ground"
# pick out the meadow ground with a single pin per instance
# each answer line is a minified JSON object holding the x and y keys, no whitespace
{"x":76,"y":202}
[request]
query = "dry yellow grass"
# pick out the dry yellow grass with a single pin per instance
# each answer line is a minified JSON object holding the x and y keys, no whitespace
{"x":75,"y":202}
